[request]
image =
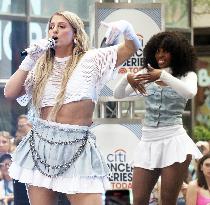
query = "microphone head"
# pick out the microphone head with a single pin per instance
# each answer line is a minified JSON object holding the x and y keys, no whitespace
{"x":23,"y":53}
{"x":51,"y":42}
{"x":55,"y":38}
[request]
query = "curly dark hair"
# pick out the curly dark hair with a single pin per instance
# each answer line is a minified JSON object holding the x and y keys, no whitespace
{"x":183,"y":55}
{"x":201,"y":178}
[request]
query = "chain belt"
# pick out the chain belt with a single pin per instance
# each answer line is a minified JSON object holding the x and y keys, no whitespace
{"x":62,"y":168}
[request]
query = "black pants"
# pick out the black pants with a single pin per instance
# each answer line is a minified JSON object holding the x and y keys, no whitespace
{"x":20,"y":193}
{"x":62,"y":200}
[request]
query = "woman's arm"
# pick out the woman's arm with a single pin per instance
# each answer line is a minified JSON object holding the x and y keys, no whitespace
{"x":128,"y":85}
{"x":186,"y":86}
{"x":15,"y":86}
{"x":123,"y":89}
{"x":131,"y":43}
{"x":125,"y":51}
{"x":191,"y":196}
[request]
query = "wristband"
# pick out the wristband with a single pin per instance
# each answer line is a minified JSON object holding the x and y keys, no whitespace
{"x":27,"y":64}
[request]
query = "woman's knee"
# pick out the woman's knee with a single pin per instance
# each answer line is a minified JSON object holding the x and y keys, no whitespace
{"x":46,"y":196}
{"x":141,"y":200}
{"x":168,"y":198}
{"x":85,"y":199}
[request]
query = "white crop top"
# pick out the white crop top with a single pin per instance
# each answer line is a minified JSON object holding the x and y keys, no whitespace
{"x":94,"y":69}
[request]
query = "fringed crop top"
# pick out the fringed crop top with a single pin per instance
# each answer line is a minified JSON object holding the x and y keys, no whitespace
{"x":93,"y":70}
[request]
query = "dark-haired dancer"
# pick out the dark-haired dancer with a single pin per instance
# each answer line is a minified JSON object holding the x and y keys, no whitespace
{"x":167,"y":82}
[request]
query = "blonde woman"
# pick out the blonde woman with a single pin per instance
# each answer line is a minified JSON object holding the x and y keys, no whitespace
{"x":6,"y":145}
{"x":63,"y":84}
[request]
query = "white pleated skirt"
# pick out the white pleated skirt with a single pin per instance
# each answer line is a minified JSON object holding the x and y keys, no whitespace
{"x":163,"y":146}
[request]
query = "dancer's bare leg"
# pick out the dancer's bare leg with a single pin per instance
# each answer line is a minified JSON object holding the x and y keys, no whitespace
{"x":41,"y":196}
{"x":172,"y":178}
{"x":143,"y":183}
{"x":85,"y":199}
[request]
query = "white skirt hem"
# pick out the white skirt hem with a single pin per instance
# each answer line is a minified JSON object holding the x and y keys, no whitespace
{"x":61,"y":184}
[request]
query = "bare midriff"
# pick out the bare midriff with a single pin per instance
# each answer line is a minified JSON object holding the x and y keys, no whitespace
{"x":73,"y":113}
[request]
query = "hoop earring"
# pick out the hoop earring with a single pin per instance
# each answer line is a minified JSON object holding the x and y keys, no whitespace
{"x":75,"y":41}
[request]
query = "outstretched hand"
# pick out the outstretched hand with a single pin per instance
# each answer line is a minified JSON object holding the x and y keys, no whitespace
{"x":114,"y":29}
{"x":138,"y":87}
{"x":151,"y":76}
{"x":138,"y":81}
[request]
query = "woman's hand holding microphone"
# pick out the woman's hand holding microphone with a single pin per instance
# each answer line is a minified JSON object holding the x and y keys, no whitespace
{"x":34,"y":52}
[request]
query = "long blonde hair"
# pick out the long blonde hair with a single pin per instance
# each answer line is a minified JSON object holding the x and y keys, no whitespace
{"x":5,"y":134}
{"x":45,"y":64}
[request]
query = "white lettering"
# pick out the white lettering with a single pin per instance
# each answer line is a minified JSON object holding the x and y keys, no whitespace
{"x":5,"y":7}
{"x":36,"y":7}
{"x":0,"y":42}
{"x":6,"y":41}
{"x":35,"y":32}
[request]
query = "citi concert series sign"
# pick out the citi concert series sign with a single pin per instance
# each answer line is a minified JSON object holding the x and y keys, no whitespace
{"x":117,"y":143}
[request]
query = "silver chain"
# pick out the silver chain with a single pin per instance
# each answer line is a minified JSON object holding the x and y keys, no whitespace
{"x":57,"y":143}
{"x":62,"y":168}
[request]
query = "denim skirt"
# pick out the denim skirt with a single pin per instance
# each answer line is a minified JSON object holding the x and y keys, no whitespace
{"x":60,"y":157}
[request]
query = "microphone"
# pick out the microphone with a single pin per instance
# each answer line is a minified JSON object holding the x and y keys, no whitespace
{"x":40,"y":45}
